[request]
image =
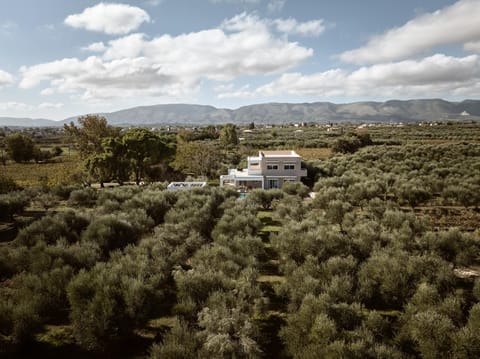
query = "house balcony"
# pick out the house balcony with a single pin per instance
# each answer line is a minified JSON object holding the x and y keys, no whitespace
{"x":255,"y":172}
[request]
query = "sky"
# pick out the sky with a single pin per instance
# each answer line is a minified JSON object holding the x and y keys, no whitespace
{"x":62,"y":58}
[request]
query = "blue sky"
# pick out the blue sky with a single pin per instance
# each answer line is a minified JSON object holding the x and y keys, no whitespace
{"x":61,"y":58}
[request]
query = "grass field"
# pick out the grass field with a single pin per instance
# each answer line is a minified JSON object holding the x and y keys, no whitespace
{"x":310,"y":154}
{"x":34,"y":174}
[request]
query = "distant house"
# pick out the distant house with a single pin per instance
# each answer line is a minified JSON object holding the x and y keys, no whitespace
{"x":175,"y":186}
{"x":270,"y":169}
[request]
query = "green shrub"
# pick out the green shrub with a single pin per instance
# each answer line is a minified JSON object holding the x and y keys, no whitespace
{"x":83,"y":197}
{"x":7,"y":185}
{"x":112,"y":299}
{"x":110,"y":233}
{"x":63,"y":191}
{"x":49,"y":229}
{"x":296,"y":189}
{"x":12,"y":203}
{"x":181,"y":342}
{"x":263,"y":199}
{"x":156,"y":204}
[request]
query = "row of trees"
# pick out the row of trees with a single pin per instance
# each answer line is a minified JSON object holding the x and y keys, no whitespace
{"x":106,"y":269}
{"x":366,"y":277}
{"x":375,"y":282}
{"x":409,"y":175}
{"x":112,"y":155}
{"x":360,"y":274}
{"x":120,"y":257}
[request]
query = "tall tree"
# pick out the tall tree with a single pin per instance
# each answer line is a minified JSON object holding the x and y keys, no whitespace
{"x":198,"y":158}
{"x":89,"y":136}
{"x":143,"y":148}
{"x":228,"y":135}
{"x":20,"y":148}
{"x":110,"y":164}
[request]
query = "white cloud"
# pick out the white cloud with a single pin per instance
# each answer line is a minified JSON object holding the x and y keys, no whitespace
{"x":224,"y":87}
{"x":235,"y":1}
{"x":47,"y":92}
{"x":94,"y":77}
{"x":50,"y":105}
{"x":245,"y":22}
{"x":437,"y":75}
{"x":109,"y":18}
{"x":6,"y":79}
{"x":153,"y":2}
{"x":292,"y":26}
{"x":129,"y":46}
{"x":455,"y":24}
{"x":95,"y":47}
{"x":243,"y":92}
{"x":170,"y":65}
{"x":275,"y":6}
{"x":14,"y":106}
{"x":472,"y":46}
{"x":8,"y":27}
{"x":436,"y":69}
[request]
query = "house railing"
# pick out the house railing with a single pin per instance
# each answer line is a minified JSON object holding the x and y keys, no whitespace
{"x":255,"y":171}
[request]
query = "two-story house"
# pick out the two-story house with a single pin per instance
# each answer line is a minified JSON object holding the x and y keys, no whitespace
{"x":270,"y":169}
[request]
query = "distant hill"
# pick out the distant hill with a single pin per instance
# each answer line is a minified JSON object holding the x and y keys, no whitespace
{"x":26,"y":122}
{"x":279,"y":113}
{"x":174,"y":114}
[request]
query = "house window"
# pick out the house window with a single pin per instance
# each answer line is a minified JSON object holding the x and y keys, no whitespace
{"x":289,"y":167}
{"x":273,"y":183}
{"x":272,"y":167}
{"x":253,"y":163}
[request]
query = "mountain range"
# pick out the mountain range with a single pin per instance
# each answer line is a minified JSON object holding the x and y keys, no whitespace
{"x":279,"y":113}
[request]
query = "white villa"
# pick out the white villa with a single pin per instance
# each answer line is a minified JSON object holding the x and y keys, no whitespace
{"x":270,"y":169}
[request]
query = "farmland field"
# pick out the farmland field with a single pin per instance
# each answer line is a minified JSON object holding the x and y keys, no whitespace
{"x":387,"y":248}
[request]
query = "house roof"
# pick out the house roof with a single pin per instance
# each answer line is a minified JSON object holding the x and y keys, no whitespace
{"x":280,"y":153}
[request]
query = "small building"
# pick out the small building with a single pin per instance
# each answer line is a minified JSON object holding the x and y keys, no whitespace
{"x":176,"y":186}
{"x":268,"y":170}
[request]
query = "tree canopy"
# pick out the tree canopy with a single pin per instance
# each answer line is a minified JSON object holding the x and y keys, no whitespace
{"x":20,"y":148}
{"x":142,"y":149}
{"x":228,"y":135}
{"x":90,"y":133}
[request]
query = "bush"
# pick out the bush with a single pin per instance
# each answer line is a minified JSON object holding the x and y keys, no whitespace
{"x":7,"y":185}
{"x":194,"y":287}
{"x":227,"y":333}
{"x":181,"y":342}
{"x":119,"y":194}
{"x":12,"y":203}
{"x":156,"y":204}
{"x":110,"y":233}
{"x":231,"y":224}
{"x":110,"y":300}
{"x":20,"y":148}
{"x":30,"y":300}
{"x":296,"y":189}
{"x":50,"y":229}
{"x":263,"y":199}
{"x":83,"y":197}
{"x":63,"y":191}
